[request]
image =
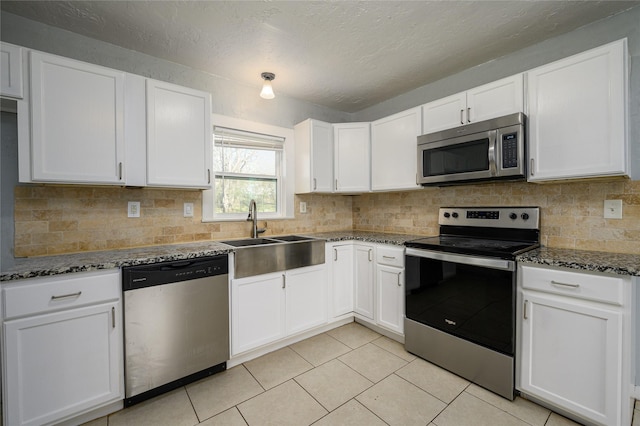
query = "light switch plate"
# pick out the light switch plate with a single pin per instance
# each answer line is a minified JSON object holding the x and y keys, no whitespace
{"x":188,"y":209}
{"x":133,"y":209}
{"x":613,"y":209}
{"x":303,"y":207}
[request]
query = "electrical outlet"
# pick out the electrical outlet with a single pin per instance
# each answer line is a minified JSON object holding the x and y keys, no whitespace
{"x":303,"y":207}
{"x":188,"y":209}
{"x":613,"y":209}
{"x":133,"y":209}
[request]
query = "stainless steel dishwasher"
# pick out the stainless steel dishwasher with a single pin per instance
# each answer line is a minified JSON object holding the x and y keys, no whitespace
{"x":176,"y":324}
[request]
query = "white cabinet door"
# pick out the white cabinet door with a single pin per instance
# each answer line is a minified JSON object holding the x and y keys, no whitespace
{"x":390,"y":296}
{"x":444,"y":113}
{"x":77,"y":116}
{"x":10,"y":70}
{"x":62,"y":363}
{"x":394,"y":151}
{"x":352,"y":142}
{"x":498,"y":98}
{"x":495,"y":99}
{"x":571,"y":356}
{"x":306,"y":294}
{"x":179,"y":136}
{"x":341,"y":256}
{"x":314,"y":156}
{"x":364,"y":280}
{"x":577,"y":115}
{"x":258,"y":311}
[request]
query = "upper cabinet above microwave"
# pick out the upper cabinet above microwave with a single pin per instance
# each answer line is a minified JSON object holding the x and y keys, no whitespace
{"x":492,"y":100}
{"x":578,"y":115}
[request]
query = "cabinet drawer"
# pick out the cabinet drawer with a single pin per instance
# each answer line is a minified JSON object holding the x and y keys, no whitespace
{"x":574,"y":284}
{"x":391,"y":256}
{"x":45,"y":294}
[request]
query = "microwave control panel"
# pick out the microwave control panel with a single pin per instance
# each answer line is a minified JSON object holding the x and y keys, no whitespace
{"x":510,"y":150}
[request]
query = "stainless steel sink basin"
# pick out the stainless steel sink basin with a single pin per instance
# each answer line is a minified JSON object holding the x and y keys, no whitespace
{"x":257,"y":256}
{"x":292,"y":238}
{"x":250,"y":242}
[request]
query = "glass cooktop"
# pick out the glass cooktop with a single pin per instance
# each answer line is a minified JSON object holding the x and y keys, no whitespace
{"x":471,"y":245}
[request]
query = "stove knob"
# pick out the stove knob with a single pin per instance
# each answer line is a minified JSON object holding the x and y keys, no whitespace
{"x":513,"y":216}
{"x":446,"y":214}
{"x":455,"y":215}
{"x":524,"y":216}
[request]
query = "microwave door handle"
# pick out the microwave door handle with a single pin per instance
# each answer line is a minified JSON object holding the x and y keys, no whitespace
{"x":492,"y":154}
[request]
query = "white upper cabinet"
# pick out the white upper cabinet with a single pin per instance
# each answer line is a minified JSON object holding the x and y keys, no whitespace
{"x":77,"y":116}
{"x":10,"y":70}
{"x":179,"y":136}
{"x":352,"y":142}
{"x":394,"y":150}
{"x":314,"y":156}
{"x":495,"y":99}
{"x":578,"y":115}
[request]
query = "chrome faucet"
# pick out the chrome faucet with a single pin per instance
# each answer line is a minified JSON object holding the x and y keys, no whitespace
{"x":253,"y":217}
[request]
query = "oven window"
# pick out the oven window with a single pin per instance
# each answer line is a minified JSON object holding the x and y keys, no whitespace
{"x":459,"y":158}
{"x":471,"y":302}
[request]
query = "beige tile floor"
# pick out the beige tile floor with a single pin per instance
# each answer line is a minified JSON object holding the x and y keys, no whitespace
{"x":347,"y":376}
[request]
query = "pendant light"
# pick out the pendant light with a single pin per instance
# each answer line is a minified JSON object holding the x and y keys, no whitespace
{"x":267,"y":89}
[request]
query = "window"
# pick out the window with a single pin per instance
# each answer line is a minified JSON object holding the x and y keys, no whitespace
{"x":250,"y":161}
{"x":247,"y":166}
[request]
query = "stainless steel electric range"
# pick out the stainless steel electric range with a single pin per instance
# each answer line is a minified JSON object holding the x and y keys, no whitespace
{"x":461,"y":291}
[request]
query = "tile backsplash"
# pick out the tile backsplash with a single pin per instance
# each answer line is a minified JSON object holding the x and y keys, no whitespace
{"x":58,"y":219}
{"x":572,"y":213}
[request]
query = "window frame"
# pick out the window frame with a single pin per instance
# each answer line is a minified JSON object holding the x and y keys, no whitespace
{"x":286,"y":195}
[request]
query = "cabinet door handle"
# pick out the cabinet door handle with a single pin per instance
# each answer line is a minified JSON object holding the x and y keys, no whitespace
{"x":208,"y":176}
{"x":370,"y":259}
{"x":399,"y":284}
{"x":284,"y":281}
{"x":120,"y":170}
{"x":531,"y":168}
{"x":315,"y":184}
{"x":525,"y":309}
{"x":66,"y":296}
{"x":469,"y":115}
{"x":561,"y":284}
{"x":336,"y":184}
{"x":335,"y":254}
{"x":461,"y":116}
{"x":113,"y":317}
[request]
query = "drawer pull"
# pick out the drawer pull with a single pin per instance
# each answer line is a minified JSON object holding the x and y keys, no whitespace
{"x":558,"y":283}
{"x":66,"y":296}
{"x":389,"y":257}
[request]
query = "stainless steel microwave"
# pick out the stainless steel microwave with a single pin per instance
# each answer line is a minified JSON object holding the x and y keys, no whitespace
{"x":488,"y":150}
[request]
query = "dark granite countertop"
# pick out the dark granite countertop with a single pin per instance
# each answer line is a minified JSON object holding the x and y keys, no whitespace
{"x":95,"y":260}
{"x":582,"y":260}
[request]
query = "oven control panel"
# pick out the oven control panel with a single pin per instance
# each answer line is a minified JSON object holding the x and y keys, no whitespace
{"x":496,"y":217}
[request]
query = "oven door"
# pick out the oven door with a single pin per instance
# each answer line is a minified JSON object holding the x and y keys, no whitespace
{"x":469,"y":297}
{"x":464,"y":158}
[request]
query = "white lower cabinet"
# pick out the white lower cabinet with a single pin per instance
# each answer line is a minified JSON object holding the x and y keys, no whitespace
{"x":269,"y":307}
{"x":62,"y":352}
{"x":574,"y":343}
{"x":341,"y":276}
{"x":390,"y":288}
{"x":364,"y":280}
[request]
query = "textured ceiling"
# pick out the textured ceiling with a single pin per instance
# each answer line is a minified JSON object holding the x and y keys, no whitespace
{"x":346,"y":55}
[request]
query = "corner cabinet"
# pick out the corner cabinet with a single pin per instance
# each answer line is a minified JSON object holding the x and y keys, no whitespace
{"x":495,"y":99}
{"x":352,"y":164}
{"x":62,"y":351}
{"x":77,"y":122}
{"x":574,"y":332}
{"x":179,"y":136}
{"x":394,"y":151}
{"x":314,"y":156}
{"x":578,"y":115}
{"x":364,"y":280}
{"x":341,"y":277}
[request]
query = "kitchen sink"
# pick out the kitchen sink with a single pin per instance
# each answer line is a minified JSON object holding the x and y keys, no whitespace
{"x":250,"y":242}
{"x":257,"y":256}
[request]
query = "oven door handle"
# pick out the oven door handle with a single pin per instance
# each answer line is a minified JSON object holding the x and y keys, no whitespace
{"x":501,"y":264}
